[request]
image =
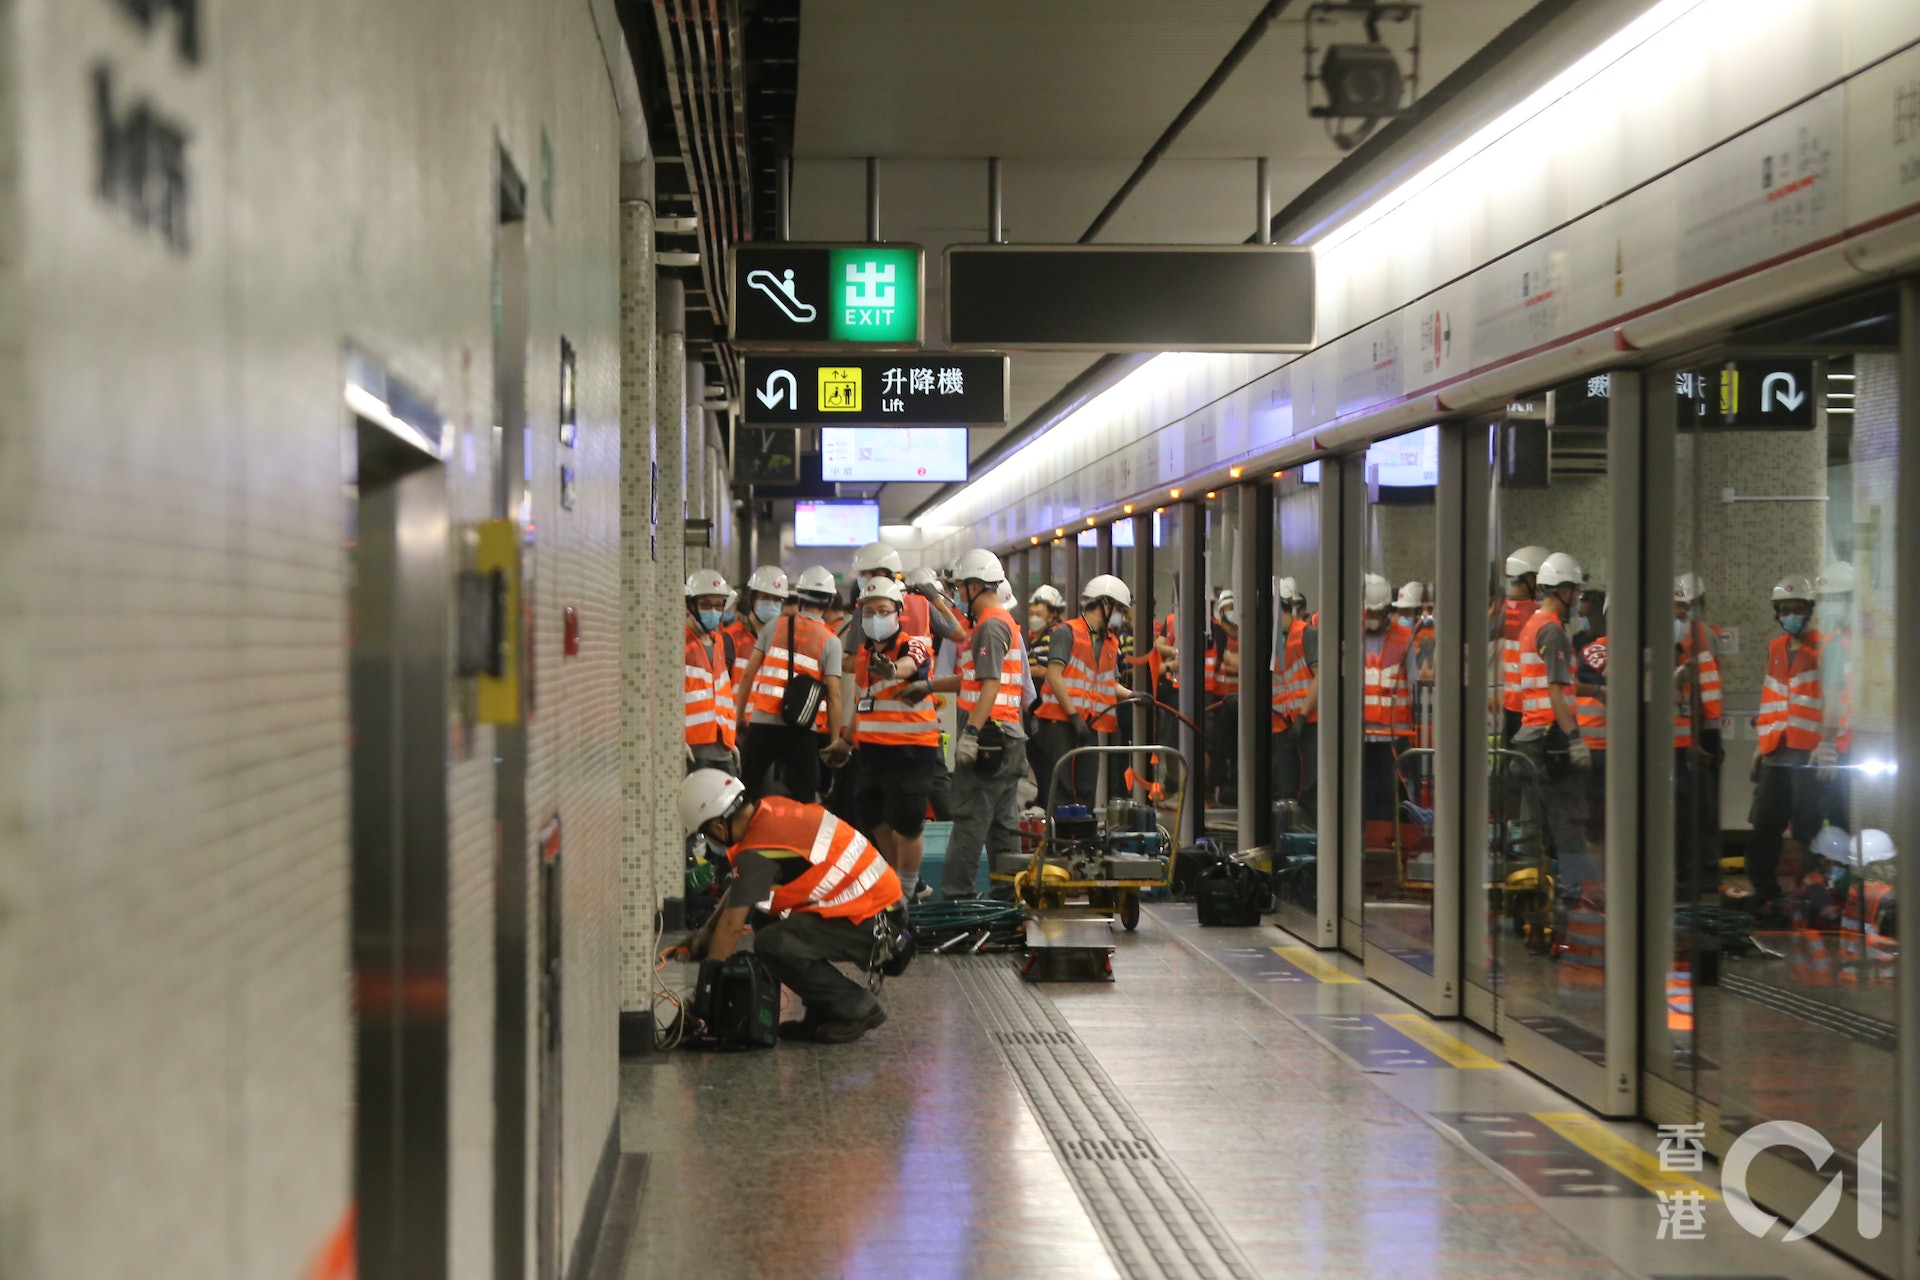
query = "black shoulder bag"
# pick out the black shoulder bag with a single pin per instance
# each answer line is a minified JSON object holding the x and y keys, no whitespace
{"x":801,"y":702}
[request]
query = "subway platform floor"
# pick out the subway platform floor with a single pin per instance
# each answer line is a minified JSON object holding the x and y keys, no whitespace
{"x":1232,"y":1105}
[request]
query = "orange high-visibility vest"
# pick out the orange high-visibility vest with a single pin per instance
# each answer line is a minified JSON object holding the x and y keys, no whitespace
{"x":1296,"y":677}
{"x":1708,"y":671}
{"x":1843,"y":736}
{"x":1517,"y":614}
{"x":848,"y":879}
{"x":710,"y":709}
{"x":1861,"y":912}
{"x":1218,"y":681}
{"x":1163,"y":629}
{"x":1790,"y":699}
{"x":743,"y":642}
{"x":1680,"y":996}
{"x":1006,"y":703}
{"x":1536,"y":707}
{"x":1388,"y":709}
{"x":1094,"y":680}
{"x":881,"y":718}
{"x":809,"y":637}
{"x":1589,"y":710}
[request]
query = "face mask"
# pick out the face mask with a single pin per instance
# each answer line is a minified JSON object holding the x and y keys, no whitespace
{"x":1834,"y":610}
{"x":709,"y":619}
{"x":1580,"y":625}
{"x":727,"y":617}
{"x":880,"y":627}
{"x":1036,"y":622}
{"x":1376,"y":624}
{"x":1679,"y":630}
{"x":767,"y":610}
{"x":1793,"y":623}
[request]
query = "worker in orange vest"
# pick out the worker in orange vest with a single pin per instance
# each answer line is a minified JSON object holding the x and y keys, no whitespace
{"x":1222,"y":719}
{"x":1296,"y":701}
{"x":823,"y":893}
{"x":1523,"y":588}
{"x":1796,"y":740}
{"x":1590,"y":707}
{"x":1697,"y":749}
{"x":893,"y":739}
{"x":1081,"y":689}
{"x":1549,"y":732}
{"x":775,"y":753}
{"x":710,"y":712}
{"x":766,"y":598}
{"x":1387,"y":704}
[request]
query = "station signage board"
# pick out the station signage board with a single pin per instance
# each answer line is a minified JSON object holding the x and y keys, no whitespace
{"x":1245,"y":297}
{"x":931,"y":388}
{"x":801,"y":297}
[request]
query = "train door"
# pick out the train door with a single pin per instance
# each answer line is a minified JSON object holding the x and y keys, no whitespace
{"x":1776,"y":831}
{"x":400,"y":583}
{"x":1305,"y":857}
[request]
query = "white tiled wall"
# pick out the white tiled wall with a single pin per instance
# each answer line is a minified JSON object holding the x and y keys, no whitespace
{"x":175,"y":1069}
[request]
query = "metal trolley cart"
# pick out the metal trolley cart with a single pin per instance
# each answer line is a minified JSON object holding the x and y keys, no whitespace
{"x":1110,"y":861}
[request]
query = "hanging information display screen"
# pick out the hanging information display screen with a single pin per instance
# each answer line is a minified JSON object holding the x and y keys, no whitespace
{"x":835,"y":524}
{"x":886,"y":454}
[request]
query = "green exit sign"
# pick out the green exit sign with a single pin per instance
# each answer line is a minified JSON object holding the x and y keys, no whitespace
{"x":811,"y":296}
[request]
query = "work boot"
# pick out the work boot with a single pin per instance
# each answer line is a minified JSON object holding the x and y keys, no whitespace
{"x":798,"y":1029}
{"x":847,"y":1032}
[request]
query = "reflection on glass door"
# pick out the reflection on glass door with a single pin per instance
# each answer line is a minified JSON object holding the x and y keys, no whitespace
{"x":1541,"y":947}
{"x":1294,"y":714}
{"x":1398,"y":556}
{"x":1770,"y":980}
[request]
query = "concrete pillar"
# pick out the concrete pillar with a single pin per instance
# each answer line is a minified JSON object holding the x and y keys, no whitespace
{"x":668,"y":628}
{"x":645,"y":699}
{"x":699,"y":507}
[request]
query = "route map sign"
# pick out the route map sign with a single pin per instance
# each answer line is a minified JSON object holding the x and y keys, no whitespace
{"x":932,"y":388}
{"x":798,"y":296}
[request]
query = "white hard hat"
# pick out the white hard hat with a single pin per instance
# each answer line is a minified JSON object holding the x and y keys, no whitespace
{"x":921,"y":576}
{"x":1560,"y":570}
{"x":1793,"y":587}
{"x":1833,"y":844}
{"x":1525,"y":561}
{"x":1288,"y":589}
{"x":883,"y":589}
{"x":1007,"y":597}
{"x":769,"y":580}
{"x":733,"y":600}
{"x":1688,"y":587}
{"x":979,"y":565}
{"x":1221,"y":601}
{"x":876,"y":555}
{"x":705,"y":582}
{"x":1374,"y":592}
{"x":816,"y":581}
{"x":1872,"y":845}
{"x":706,"y":794}
{"x":1104,"y":586}
{"x":1834,"y":580}
{"x":1048,"y":594}
{"x":1411,"y":596}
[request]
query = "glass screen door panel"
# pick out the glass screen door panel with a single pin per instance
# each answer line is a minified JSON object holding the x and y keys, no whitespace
{"x":1294,"y":714}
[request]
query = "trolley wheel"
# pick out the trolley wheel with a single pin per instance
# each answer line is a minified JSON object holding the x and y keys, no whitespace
{"x":1130,"y":909}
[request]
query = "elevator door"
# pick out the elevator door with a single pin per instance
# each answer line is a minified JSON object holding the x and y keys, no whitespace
{"x":397,"y":541}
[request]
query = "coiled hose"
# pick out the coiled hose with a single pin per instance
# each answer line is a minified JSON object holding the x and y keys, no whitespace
{"x":967,"y":927}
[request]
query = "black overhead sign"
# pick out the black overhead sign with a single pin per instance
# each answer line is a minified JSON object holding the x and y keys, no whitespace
{"x":1130,"y":298}
{"x":931,"y":388}
{"x":789,"y":296}
{"x":1776,"y":393}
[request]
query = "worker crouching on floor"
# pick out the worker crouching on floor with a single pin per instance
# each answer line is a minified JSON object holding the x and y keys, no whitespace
{"x":894,"y":740}
{"x":821,"y":893}
{"x":990,"y":755}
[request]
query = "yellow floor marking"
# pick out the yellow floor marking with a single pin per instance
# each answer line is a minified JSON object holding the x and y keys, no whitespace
{"x":1451,"y":1050}
{"x":1603,"y":1144}
{"x":1309,"y":962}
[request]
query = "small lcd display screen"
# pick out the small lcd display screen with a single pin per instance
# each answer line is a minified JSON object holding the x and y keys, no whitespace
{"x":893,"y":454}
{"x":835,"y":524}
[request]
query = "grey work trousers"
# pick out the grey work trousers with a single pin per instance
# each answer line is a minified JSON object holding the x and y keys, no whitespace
{"x":986,"y":814}
{"x":799,"y":952}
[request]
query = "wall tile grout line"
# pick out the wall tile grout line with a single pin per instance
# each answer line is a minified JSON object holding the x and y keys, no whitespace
{"x":1149,"y":1216}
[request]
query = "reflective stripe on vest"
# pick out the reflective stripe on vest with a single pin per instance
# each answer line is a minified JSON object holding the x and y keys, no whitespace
{"x":1218,"y":681}
{"x":1536,"y":706}
{"x":1710,"y":705}
{"x":1093,"y":681}
{"x":881,"y":718}
{"x":1843,"y":735}
{"x":809,"y":636}
{"x":848,"y":878}
{"x":1297,"y":676}
{"x":1514,"y":620}
{"x":1387,"y":710}
{"x":1790,"y":700}
{"x":743,"y":642}
{"x":710,"y":712}
{"x":1006,"y":702}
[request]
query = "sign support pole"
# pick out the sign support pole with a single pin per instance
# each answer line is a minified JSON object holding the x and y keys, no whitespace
{"x":873,"y":199}
{"x":783,"y":198}
{"x":1263,"y":202}
{"x":996,"y":232}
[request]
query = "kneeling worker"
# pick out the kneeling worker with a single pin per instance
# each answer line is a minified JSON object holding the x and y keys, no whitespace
{"x":990,"y":756}
{"x":898,"y":768}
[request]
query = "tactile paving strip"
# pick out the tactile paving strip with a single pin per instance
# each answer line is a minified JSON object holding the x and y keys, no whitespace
{"x":1152,"y":1220}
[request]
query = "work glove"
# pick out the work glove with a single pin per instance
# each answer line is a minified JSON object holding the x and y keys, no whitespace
{"x":1824,"y":758}
{"x":836,"y":753}
{"x":1083,"y":732}
{"x":967,"y":750}
{"x":916,"y":693}
{"x":1683,"y":673}
{"x":926,"y":590}
{"x":1580,"y":753}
